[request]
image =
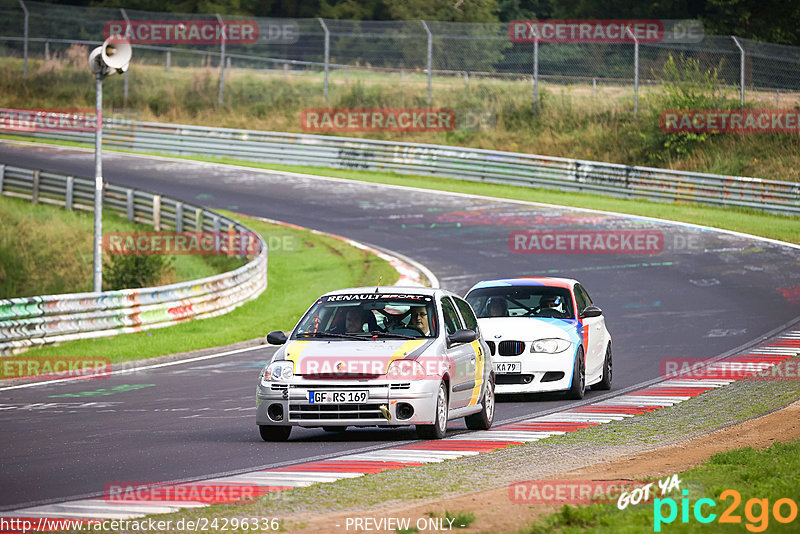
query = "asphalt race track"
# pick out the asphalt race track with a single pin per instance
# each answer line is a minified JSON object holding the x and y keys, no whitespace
{"x":700,"y":294}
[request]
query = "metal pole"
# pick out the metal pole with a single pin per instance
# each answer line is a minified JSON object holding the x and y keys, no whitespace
{"x":169,"y":58}
{"x":535,"y":70}
{"x":635,"y":71}
{"x":221,"y":61}
{"x":127,"y":32}
{"x":327,"y":55}
{"x":98,"y":184}
{"x":430,"y":57}
{"x":741,"y":68}
{"x":25,"y":42}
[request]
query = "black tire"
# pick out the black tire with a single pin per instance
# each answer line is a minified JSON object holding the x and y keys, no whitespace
{"x":439,"y":428}
{"x":578,"y":387}
{"x":483,"y":419}
{"x":274,"y":433}
{"x":331,"y":428}
{"x":608,"y":372}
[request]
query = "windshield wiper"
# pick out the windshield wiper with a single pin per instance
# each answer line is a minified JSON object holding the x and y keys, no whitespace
{"x":378,"y":333}
{"x":329,"y":334}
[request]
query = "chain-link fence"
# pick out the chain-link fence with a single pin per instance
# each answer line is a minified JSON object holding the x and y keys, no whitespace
{"x":426,"y":56}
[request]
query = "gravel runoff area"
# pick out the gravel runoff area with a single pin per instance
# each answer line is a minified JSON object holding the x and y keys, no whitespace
{"x":738,"y":402}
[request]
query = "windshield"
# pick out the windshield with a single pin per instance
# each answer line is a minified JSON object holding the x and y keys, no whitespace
{"x":522,"y":301}
{"x":362,"y":316}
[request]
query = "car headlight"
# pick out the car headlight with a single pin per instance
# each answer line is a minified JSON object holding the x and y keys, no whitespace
{"x":280,"y":370}
{"x":405,"y":370}
{"x":552,"y":345}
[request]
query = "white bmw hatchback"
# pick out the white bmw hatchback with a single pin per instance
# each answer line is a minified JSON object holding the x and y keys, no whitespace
{"x":545,"y":334}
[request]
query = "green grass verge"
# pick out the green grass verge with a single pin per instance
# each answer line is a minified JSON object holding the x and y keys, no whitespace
{"x":47,"y":250}
{"x":765,"y":476}
{"x":295,"y":278}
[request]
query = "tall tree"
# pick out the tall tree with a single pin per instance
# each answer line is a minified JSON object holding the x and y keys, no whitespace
{"x":445,"y":10}
{"x":766,"y":20}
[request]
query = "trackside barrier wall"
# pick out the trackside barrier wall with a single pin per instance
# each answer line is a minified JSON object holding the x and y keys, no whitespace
{"x":33,"y":321}
{"x":453,"y":162}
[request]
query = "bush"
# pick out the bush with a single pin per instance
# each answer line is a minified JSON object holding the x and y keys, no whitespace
{"x":134,"y":271}
{"x":686,"y":87}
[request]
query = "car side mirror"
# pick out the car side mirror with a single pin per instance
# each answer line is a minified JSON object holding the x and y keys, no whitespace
{"x":591,"y":311}
{"x":276,"y":338}
{"x":462,"y":335}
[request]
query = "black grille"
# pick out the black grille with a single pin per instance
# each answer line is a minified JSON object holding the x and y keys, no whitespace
{"x":333,"y":412}
{"x":511,"y":348}
{"x":491,"y":347}
{"x":514,"y":379}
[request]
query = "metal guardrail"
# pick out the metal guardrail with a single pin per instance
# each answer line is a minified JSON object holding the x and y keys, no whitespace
{"x":478,"y":165}
{"x":32,"y":321}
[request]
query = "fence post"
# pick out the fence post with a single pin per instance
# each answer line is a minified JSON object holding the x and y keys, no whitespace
{"x":198,"y":219}
{"x":535,"y":69}
{"x":47,"y":50}
{"x":430,"y":57}
{"x":70,"y":193}
{"x":129,"y":211}
{"x":635,"y":71}
{"x":169,"y":58}
{"x":741,"y":68}
{"x":2,"y":175}
{"x":221,"y":61}
{"x":179,"y":216}
{"x":127,"y":32}
{"x":327,"y":56}
{"x":25,"y":42}
{"x":157,"y":213}
{"x":35,"y":192}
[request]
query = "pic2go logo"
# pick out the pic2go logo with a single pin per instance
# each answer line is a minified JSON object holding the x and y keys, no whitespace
{"x":756,"y":511}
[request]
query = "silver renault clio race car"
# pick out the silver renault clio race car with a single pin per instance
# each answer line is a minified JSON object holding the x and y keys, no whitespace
{"x":387,"y":357}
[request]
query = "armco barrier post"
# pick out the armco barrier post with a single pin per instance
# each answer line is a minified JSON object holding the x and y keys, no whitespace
{"x":327,"y":55}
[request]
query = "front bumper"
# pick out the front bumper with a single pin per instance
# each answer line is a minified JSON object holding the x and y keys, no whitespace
{"x":541,"y":373}
{"x":291,"y":399}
